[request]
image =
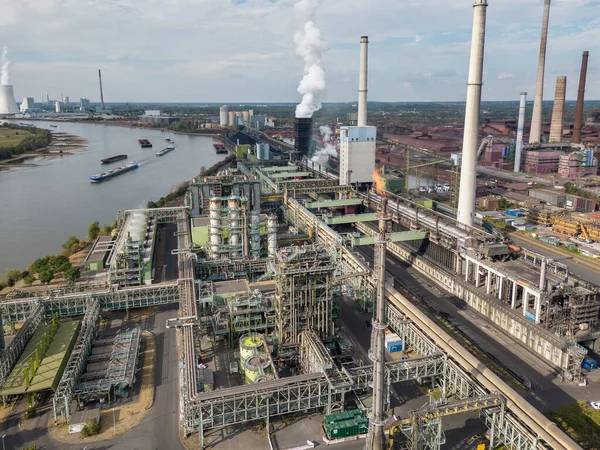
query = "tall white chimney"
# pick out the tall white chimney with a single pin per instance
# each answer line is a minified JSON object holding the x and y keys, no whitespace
{"x":520,"y":127}
{"x":535,"y":135}
{"x":362,"y":82}
{"x":466,"y":199}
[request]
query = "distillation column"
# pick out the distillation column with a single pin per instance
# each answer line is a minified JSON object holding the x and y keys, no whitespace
{"x":520,"y":128}
{"x":535,"y":135}
{"x":272,"y":235}
{"x":362,"y":82}
{"x":466,"y":198}
{"x":376,"y":438}
{"x":235,"y":229}
{"x":214,"y":216}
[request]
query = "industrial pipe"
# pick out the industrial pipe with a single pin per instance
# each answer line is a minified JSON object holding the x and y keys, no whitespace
{"x":362,"y":82}
{"x":520,"y":128}
{"x":578,"y":125}
{"x":466,"y":199}
{"x":542,"y":426}
{"x":535,"y":133}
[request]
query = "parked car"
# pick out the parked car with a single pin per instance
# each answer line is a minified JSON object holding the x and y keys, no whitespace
{"x":595,"y":405}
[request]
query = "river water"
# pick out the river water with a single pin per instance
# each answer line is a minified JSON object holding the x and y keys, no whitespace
{"x":40,"y":207}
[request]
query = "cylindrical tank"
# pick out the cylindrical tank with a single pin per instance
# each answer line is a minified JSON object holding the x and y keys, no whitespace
{"x":235,"y":241}
{"x":250,"y":344}
{"x":254,"y":234}
{"x":231,"y":118}
{"x":257,"y":369}
{"x":272,"y":235}
{"x":214,"y":215}
{"x":246,"y":117}
{"x":224,"y":115}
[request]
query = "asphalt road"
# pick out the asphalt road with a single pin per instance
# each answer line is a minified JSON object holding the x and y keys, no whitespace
{"x":158,"y":431}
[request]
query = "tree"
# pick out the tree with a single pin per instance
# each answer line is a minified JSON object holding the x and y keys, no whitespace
{"x":46,"y":276}
{"x":72,"y":274}
{"x":91,"y":428}
{"x":39,"y":265}
{"x":69,"y":245}
{"x":503,"y":203}
{"x":94,"y":231}
{"x":12,"y":276}
{"x":59,"y":263}
{"x":29,"y":279}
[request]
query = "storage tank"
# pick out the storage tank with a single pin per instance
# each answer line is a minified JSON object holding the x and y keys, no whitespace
{"x":272,"y":235}
{"x":262,"y":152}
{"x":246,"y":117}
{"x":214,"y":215}
{"x":235,"y":230}
{"x":251,"y":344}
{"x":224,"y":115}
{"x":231,"y":118}
{"x":257,"y":369}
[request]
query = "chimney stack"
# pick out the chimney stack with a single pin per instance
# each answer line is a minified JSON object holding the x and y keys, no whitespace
{"x":520,"y":127}
{"x":466,"y":199}
{"x":362,"y":82}
{"x":580,"y":98}
{"x":535,"y":134}
{"x":101,"y":93}
{"x":558,"y":112}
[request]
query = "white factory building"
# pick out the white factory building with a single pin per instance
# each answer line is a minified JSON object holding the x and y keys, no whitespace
{"x":357,"y":154}
{"x":26,"y":104}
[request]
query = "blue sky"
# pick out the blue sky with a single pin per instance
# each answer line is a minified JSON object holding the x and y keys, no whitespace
{"x":241,"y":50}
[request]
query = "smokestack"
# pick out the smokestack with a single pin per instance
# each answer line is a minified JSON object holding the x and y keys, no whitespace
{"x":536,"y":119}
{"x":466,"y":199}
{"x":362,"y":82}
{"x":303,"y":136}
{"x":101,"y":93}
{"x":8,"y":104}
{"x":520,"y":127}
{"x":580,"y":98}
{"x":376,"y":437}
{"x":558,"y":112}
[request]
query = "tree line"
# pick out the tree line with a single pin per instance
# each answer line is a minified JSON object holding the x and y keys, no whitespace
{"x":40,"y":139}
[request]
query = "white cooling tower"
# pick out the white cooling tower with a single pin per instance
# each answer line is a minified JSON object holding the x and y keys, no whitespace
{"x":8,"y":105}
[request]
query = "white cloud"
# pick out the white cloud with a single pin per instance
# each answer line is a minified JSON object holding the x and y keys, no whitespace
{"x":241,"y":50}
{"x":505,"y":76}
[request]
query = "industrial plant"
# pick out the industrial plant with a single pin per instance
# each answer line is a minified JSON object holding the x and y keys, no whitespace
{"x":269,"y":249}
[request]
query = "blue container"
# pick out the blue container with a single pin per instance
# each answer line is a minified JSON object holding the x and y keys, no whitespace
{"x":394,"y":346}
{"x":530,"y":316}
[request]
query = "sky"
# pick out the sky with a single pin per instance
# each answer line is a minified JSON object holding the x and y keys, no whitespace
{"x":242,"y":50}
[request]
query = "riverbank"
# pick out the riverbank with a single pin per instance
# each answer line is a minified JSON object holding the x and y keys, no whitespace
{"x":62,"y":144}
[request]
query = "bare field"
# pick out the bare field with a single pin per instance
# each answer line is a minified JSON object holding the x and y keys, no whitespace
{"x":12,"y":137}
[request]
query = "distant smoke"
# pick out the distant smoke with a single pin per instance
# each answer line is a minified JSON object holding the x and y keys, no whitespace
{"x":5,"y":77}
{"x":310,"y":46}
{"x":322,"y":155}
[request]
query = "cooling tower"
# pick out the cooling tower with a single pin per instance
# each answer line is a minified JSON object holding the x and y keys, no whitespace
{"x":558,"y":112}
{"x":303,"y":135}
{"x":8,"y":105}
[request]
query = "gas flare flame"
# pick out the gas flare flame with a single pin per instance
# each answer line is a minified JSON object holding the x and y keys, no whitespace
{"x":378,"y":182}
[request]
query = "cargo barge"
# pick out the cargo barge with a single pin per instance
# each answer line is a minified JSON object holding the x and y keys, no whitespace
{"x":112,"y":159}
{"x":144,"y":143}
{"x":113,"y":172}
{"x":219,"y":147}
{"x":164,"y":151}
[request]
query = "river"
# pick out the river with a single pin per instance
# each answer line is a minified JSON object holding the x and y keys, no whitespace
{"x":40,"y":207}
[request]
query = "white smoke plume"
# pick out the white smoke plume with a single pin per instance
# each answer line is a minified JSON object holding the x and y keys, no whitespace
{"x":5,"y":75}
{"x":322,"y":155}
{"x":310,"y":46}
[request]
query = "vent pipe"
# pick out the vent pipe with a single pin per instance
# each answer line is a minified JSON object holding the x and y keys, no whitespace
{"x":580,"y":98}
{"x":535,"y":135}
{"x":362,"y":82}
{"x":466,"y":199}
